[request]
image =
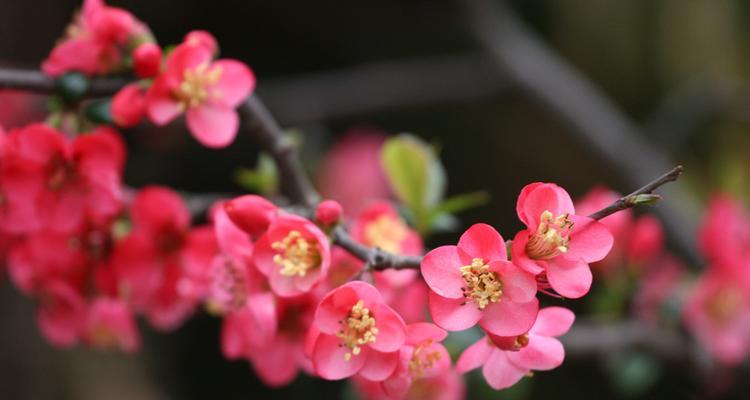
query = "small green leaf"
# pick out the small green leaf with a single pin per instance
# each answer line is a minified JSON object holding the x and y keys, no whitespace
{"x":645,"y":199}
{"x":463,"y":202}
{"x":263,"y":179}
{"x":72,"y":86}
{"x":99,"y":111}
{"x":415,"y":174}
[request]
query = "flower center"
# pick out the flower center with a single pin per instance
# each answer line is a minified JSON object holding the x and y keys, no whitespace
{"x":482,"y":285}
{"x":62,"y":174}
{"x":358,"y":329}
{"x":104,"y":337}
{"x":296,"y":254}
{"x":230,"y":288}
{"x":725,"y":305}
{"x":423,"y":359}
{"x":551,"y":238}
{"x":509,"y":343}
{"x":386,"y":232}
{"x":196,"y":84}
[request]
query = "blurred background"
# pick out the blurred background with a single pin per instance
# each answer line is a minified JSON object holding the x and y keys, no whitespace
{"x":575,"y":92}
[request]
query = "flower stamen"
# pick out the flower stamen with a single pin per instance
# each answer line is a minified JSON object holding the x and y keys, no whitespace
{"x":358,"y":329}
{"x":297,"y":255}
{"x":551,"y":237}
{"x":482,"y":285}
{"x":386,"y":232}
{"x":196,"y":83}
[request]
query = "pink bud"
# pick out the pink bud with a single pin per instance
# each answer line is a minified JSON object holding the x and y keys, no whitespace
{"x":328,"y":212}
{"x":129,"y":105}
{"x":251,"y":213}
{"x":147,"y":60}
{"x":203,"y":39}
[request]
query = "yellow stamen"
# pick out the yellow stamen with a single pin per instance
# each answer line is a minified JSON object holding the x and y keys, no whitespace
{"x":196,"y":84}
{"x":296,"y":255}
{"x":551,"y":238}
{"x":423,"y":359}
{"x":358,"y":329}
{"x":482,"y":285}
{"x":386,"y":232}
{"x":724,"y":305}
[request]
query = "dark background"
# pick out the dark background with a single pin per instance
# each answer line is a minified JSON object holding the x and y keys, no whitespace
{"x":675,"y":72}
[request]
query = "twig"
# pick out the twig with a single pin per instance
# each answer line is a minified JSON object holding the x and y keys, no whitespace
{"x":35,"y":81}
{"x":632,"y":199}
{"x":376,"y":258}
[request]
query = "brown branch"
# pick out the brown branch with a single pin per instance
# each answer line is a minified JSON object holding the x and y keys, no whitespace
{"x":635,"y":198}
{"x":36,"y":82}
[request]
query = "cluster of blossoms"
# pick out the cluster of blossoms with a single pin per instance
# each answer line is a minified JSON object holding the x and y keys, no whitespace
{"x":97,"y":256}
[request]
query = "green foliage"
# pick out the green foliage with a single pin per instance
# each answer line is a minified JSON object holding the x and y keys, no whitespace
{"x":263,"y":179}
{"x":99,"y":111}
{"x":418,"y":179}
{"x":72,"y":86}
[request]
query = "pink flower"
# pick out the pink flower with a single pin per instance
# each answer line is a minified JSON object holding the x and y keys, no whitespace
{"x":94,"y":42}
{"x":357,"y":334}
{"x":410,"y":301}
{"x":506,"y":360}
{"x":110,"y":324}
{"x":557,"y":241}
{"x":725,"y":232}
{"x":206,"y":91}
{"x":422,"y":356}
{"x":129,"y":105}
{"x":154,"y":264}
{"x":293,"y":254}
{"x":60,"y":314}
{"x":328,"y":212}
{"x":66,"y":181}
{"x":646,"y":241}
{"x":448,"y":386}
{"x":250,"y":328}
{"x":718,"y":313}
{"x":351,"y":172}
{"x":657,"y":287}
{"x":147,"y":60}
{"x":473,"y":282}
{"x":251,"y":213}
{"x":379,"y":225}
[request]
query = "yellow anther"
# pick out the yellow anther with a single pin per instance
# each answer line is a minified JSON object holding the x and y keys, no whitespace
{"x":357,"y":330}
{"x":297,"y":255}
{"x":422,"y":359}
{"x":482,"y":285}
{"x":386,"y":232}
{"x":196,"y":83}
{"x":724,"y":305}
{"x":551,"y":238}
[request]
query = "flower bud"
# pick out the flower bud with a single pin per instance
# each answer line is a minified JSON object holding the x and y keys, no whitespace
{"x":328,"y":212}
{"x":147,"y":60}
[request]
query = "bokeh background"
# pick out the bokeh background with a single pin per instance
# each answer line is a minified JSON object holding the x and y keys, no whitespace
{"x":575,"y":92}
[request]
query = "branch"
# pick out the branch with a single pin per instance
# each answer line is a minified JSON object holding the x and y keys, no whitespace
{"x":36,"y":82}
{"x":635,"y":198}
{"x":376,"y":258}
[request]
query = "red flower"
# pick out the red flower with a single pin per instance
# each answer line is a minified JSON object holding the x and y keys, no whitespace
{"x":557,"y":241}
{"x":129,"y":105}
{"x":473,"y":282}
{"x":508,"y":359}
{"x":110,"y":324}
{"x":207,"y":91}
{"x":356,"y":333}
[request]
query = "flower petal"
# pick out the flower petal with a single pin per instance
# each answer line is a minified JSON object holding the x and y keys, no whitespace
{"x":542,"y":353}
{"x":391,"y":329}
{"x":518,"y":285}
{"x":453,"y":314}
{"x":236,"y":82}
{"x":474,"y":356}
{"x":483,"y":241}
{"x":507,"y":318}
{"x":441,"y":270}
{"x":553,"y":321}
{"x":379,"y":366}
{"x":500,"y":373}
{"x":571,"y":279}
{"x":213,"y":126}
{"x":329,"y":359}
{"x":590,"y":240}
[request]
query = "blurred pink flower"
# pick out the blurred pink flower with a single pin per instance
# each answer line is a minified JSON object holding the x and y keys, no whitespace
{"x":110,"y":324}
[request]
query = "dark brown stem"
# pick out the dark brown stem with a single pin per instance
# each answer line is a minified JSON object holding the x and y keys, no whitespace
{"x":633,"y":199}
{"x":35,"y":81}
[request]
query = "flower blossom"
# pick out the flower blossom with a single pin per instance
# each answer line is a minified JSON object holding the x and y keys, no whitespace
{"x":557,"y":242}
{"x":473,"y":282}
{"x":506,"y":360}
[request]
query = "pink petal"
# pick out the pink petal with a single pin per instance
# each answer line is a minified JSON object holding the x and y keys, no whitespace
{"x":161,"y":106}
{"x":542,"y":353}
{"x":474,"y":356}
{"x":235,"y":84}
{"x":275,"y":364}
{"x":518,"y":285}
{"x":544,"y":197}
{"x":590,"y":240}
{"x":213,"y":126}
{"x":441,"y":270}
{"x":453,"y":314}
{"x":329,"y":362}
{"x":419,"y":332}
{"x":379,"y":366}
{"x":507,"y":318}
{"x":333,"y":308}
{"x":183,"y":57}
{"x":500,"y":373}
{"x":553,"y":321}
{"x":571,"y":279}
{"x":391,"y":329}
{"x":483,"y":241}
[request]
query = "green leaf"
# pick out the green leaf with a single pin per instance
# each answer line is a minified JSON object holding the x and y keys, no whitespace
{"x":463,"y":202}
{"x":99,"y":111}
{"x":263,"y":179}
{"x":415,"y":174}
